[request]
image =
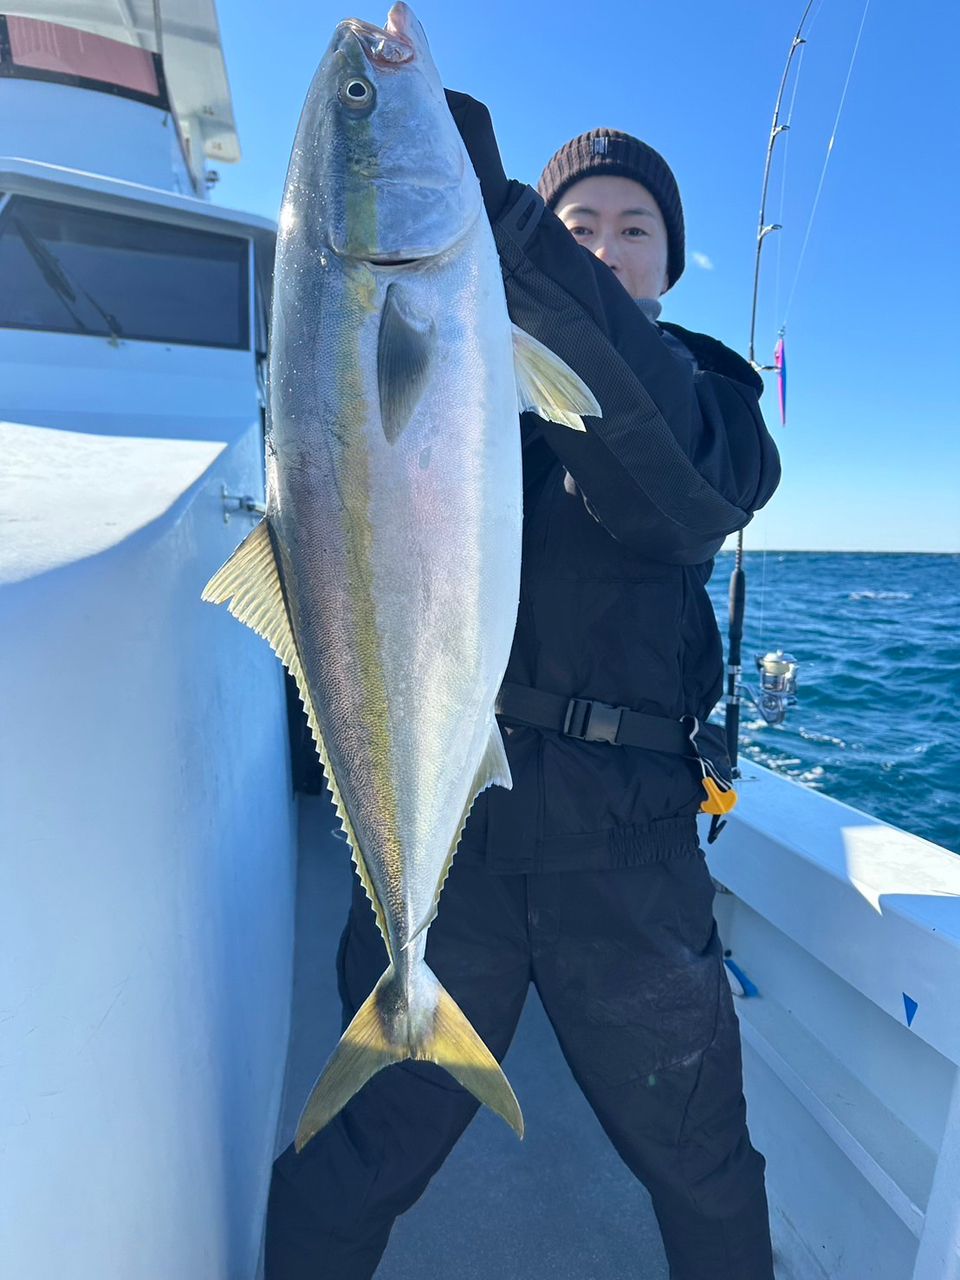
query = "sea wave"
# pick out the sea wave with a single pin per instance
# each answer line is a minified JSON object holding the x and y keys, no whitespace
{"x":824,"y":738}
{"x":874,"y":724}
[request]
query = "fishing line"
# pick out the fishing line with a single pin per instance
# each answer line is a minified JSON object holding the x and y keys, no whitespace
{"x":763,"y":582}
{"x":786,"y":145}
{"x":816,"y":15}
{"x":763,"y":229}
{"x":826,"y":162}
{"x":783,"y":173}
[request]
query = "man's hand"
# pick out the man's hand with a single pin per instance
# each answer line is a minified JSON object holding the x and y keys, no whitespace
{"x":476,"y":128}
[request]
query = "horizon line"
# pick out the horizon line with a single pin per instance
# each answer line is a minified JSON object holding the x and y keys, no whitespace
{"x":837,"y":551}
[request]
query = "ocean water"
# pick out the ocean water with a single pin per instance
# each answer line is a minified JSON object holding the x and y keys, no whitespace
{"x":877,"y":637}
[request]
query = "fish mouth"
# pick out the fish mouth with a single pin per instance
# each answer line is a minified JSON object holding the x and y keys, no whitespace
{"x":388,"y":260}
{"x":383,"y":47}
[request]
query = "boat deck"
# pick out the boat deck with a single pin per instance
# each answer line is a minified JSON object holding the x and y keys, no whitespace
{"x":558,"y":1206}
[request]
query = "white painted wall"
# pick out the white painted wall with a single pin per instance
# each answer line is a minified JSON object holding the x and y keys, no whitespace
{"x":147,"y":871}
{"x":80,"y":382}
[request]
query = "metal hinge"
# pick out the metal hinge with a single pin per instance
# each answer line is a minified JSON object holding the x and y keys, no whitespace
{"x":234,"y":504}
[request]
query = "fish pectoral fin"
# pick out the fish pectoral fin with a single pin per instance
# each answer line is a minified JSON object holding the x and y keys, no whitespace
{"x":494,"y":768}
{"x":251,"y":587}
{"x":548,"y":387}
{"x":406,"y":349}
{"x":442,"y":1035}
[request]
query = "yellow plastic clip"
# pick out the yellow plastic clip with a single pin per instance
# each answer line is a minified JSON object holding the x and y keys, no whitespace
{"x":721,"y":797}
{"x":717,"y":801}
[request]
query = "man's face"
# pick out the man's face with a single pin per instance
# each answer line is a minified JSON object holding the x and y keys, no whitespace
{"x":618,"y":220}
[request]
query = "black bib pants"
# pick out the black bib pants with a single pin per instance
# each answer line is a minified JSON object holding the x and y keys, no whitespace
{"x":629,"y":967}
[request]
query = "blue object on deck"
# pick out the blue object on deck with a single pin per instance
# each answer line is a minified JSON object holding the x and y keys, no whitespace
{"x":748,"y":988}
{"x":910,"y":1006}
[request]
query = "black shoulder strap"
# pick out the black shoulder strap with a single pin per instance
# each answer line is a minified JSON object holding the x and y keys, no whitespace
{"x":521,"y":218}
{"x":712,"y":356}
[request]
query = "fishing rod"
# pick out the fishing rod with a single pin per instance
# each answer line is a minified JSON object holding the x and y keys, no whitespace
{"x":763,"y":227}
{"x":777,"y":670}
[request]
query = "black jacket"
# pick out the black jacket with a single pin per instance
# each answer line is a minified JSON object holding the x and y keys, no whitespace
{"x":621,"y":524}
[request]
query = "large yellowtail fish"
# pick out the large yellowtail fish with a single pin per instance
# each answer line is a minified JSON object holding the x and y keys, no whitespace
{"x":386,"y":571}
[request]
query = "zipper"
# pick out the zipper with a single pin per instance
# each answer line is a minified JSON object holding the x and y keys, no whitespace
{"x":680,"y":706}
{"x":541,"y":806}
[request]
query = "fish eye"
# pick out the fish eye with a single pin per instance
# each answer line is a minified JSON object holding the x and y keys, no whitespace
{"x":356,"y":92}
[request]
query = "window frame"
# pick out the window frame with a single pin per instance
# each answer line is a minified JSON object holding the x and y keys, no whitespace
{"x":8,"y":205}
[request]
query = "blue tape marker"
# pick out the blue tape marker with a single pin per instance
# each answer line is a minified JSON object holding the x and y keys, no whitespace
{"x":748,"y":988}
{"x":910,"y":1006}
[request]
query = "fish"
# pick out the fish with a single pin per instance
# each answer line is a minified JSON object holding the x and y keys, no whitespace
{"x":385,"y":573}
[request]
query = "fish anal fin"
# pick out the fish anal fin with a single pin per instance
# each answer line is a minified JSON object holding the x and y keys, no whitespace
{"x":494,"y":768}
{"x":549,"y":387}
{"x":386,"y":1029}
{"x":251,"y":587}
{"x":406,"y":348}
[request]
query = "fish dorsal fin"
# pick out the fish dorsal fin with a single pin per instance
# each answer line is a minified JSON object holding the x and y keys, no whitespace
{"x":548,"y":387}
{"x":493,"y":769}
{"x":406,"y":348}
{"x":250,"y":585}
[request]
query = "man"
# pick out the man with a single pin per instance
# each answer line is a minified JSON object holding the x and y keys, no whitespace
{"x":587,"y":878}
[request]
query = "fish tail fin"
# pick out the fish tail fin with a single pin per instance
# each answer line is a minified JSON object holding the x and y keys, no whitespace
{"x":364,"y":1049}
{"x":457,"y":1048}
{"x":369,"y":1044}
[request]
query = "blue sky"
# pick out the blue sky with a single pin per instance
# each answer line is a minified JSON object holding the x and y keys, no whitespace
{"x":871,"y":454}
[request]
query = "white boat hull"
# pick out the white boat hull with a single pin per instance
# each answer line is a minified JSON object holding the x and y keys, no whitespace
{"x":848,"y":927}
{"x":148,"y":869}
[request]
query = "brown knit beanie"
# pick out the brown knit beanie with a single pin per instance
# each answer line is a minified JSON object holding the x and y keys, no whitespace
{"x":612,"y":152}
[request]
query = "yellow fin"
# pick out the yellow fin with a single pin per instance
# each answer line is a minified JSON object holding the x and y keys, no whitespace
{"x":548,"y":387}
{"x":250,"y":585}
{"x":366,"y":1047}
{"x":494,"y":768}
{"x":457,"y":1048}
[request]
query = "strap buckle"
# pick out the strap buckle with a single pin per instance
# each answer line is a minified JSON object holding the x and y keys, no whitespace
{"x":592,"y":721}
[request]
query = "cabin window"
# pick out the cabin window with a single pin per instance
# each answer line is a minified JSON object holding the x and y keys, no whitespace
{"x":33,"y":49}
{"x":71,"y":270}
